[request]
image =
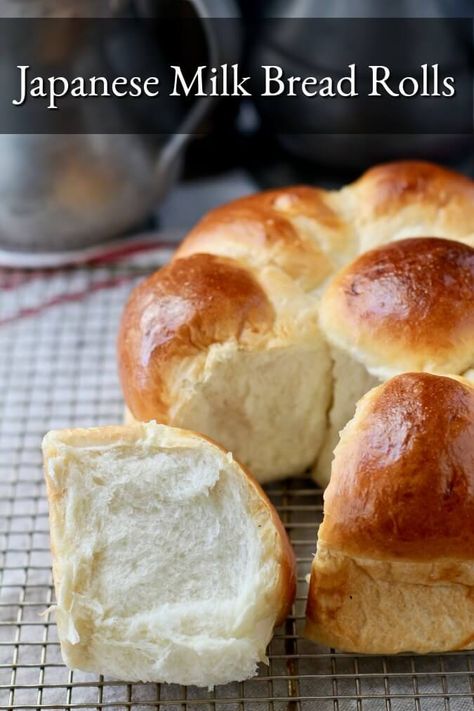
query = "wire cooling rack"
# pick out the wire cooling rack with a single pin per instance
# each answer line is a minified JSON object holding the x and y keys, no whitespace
{"x":57,"y":368}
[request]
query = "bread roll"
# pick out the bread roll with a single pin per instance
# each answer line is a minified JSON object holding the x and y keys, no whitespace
{"x":301,"y":230}
{"x":394,"y":569}
{"x":411,"y":199}
{"x":408,"y":305}
{"x":205,"y":345}
{"x":225,"y":340}
{"x":170,"y":563}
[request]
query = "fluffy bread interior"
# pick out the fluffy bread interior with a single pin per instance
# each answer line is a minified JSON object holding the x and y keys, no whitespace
{"x":269,"y":406}
{"x":166,"y":562}
{"x":351,"y":380}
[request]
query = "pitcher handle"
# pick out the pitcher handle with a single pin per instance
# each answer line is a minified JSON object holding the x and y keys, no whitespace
{"x":222,"y":48}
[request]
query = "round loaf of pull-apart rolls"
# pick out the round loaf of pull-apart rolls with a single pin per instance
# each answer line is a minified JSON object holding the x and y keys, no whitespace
{"x":227,"y":340}
{"x":394,"y":569}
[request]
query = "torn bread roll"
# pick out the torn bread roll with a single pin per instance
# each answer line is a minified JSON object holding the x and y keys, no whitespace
{"x":206,"y":345}
{"x":394,"y":568}
{"x":170,"y":564}
{"x":408,"y":305}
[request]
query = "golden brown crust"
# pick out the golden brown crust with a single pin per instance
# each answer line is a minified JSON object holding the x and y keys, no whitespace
{"x":262,"y":226}
{"x":402,"y":483}
{"x":409,"y":304}
{"x":390,"y":187}
{"x":177,"y":312}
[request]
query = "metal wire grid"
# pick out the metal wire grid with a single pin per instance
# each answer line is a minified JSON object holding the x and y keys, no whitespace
{"x":57,"y":368}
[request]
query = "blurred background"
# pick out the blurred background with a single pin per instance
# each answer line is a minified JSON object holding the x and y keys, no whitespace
{"x":65,"y":195}
{"x":87,"y":213}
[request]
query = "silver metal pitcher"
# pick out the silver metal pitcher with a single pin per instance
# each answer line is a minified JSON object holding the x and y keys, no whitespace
{"x":72,"y":190}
